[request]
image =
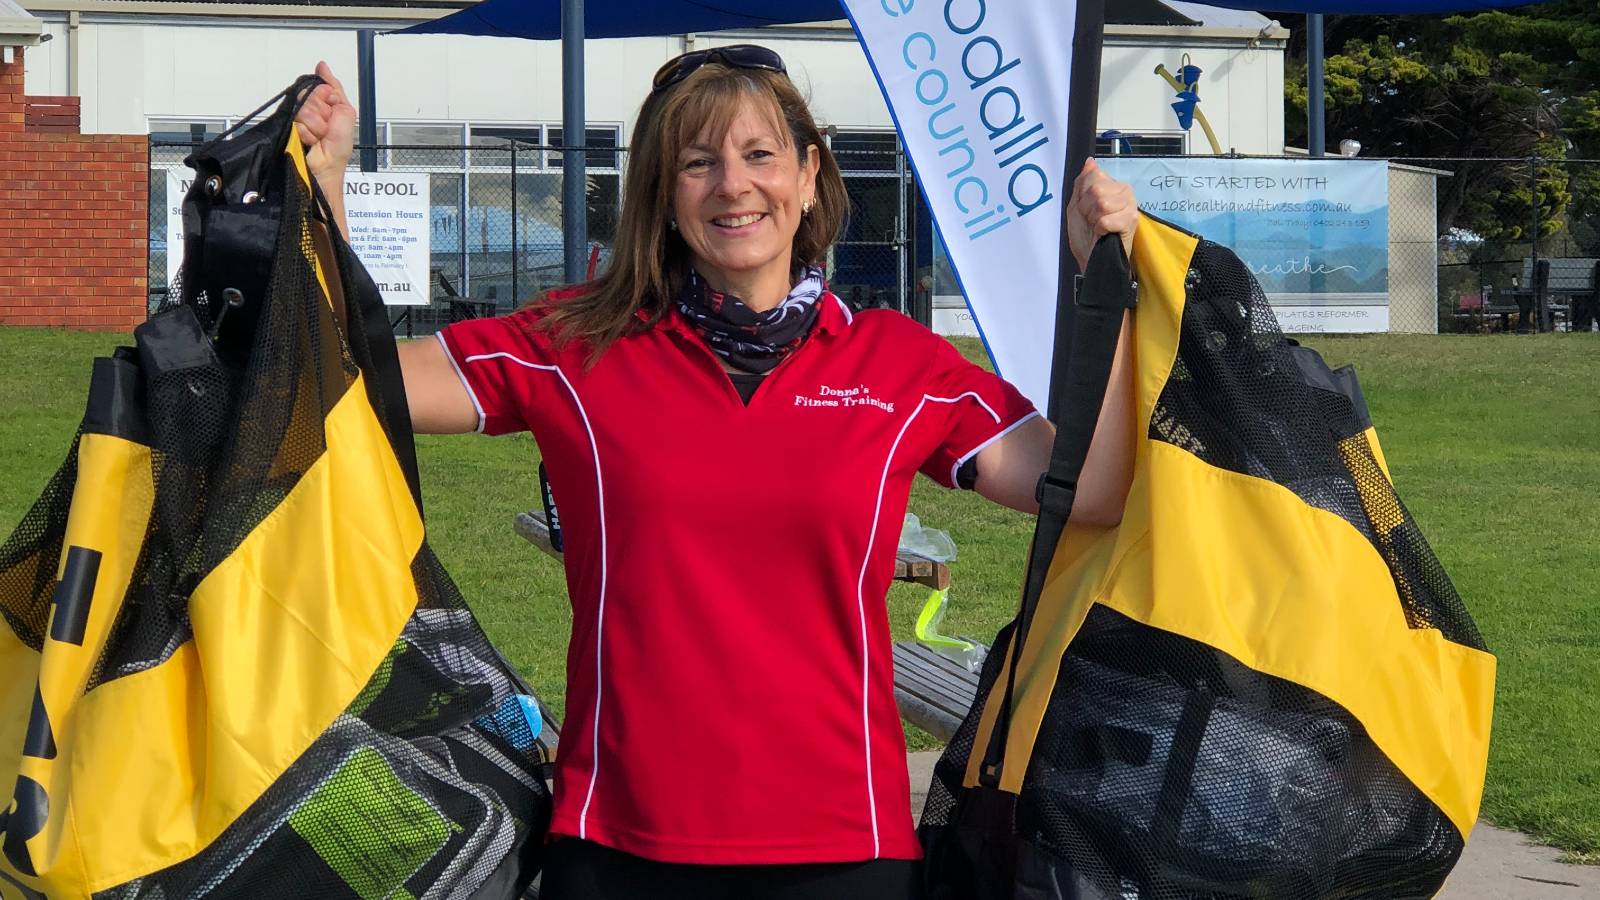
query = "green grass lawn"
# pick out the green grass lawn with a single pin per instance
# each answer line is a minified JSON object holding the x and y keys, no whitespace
{"x":1494,"y":442}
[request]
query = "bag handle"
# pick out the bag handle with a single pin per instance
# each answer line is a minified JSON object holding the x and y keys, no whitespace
{"x":1103,"y":293}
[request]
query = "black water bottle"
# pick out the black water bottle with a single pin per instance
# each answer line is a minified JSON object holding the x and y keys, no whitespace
{"x":550,"y":514}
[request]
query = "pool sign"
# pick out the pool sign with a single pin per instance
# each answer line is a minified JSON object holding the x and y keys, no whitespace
{"x":389,"y":230}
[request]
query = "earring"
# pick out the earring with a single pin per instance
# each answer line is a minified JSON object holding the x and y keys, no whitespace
{"x":805,"y":208}
{"x":672,"y":224}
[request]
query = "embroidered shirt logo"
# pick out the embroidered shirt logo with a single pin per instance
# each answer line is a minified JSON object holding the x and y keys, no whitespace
{"x":844,"y":398}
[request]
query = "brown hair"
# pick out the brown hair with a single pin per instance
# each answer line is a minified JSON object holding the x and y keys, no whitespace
{"x":649,"y":263}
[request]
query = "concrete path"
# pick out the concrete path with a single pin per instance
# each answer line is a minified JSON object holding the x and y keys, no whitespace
{"x":1497,"y":864}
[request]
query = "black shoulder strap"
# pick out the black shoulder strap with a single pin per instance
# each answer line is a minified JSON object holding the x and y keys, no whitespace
{"x":1105,"y":291}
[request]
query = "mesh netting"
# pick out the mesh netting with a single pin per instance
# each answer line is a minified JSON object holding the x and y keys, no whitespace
{"x":1165,"y":769}
{"x":28,"y":558}
{"x":1240,"y":397}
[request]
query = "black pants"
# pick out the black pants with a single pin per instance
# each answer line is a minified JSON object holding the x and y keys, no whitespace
{"x":583,"y":870}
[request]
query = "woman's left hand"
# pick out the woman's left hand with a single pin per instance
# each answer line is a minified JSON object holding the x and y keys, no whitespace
{"x":1100,"y":205}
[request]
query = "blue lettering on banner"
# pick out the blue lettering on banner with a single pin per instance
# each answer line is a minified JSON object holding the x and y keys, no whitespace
{"x":1013,"y":140}
{"x":944,"y":86}
{"x":905,"y":50}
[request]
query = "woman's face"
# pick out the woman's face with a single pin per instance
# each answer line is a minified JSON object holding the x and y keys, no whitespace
{"x":738,"y":202}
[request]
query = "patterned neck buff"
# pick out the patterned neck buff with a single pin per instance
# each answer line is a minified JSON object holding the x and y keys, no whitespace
{"x":752,"y":341}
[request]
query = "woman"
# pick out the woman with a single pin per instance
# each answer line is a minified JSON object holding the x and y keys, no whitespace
{"x":733,"y":451}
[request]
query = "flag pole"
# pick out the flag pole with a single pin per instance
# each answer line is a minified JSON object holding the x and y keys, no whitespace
{"x":1083,"y":105}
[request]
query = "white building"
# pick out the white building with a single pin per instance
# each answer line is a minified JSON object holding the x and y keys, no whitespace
{"x":181,"y":69}
{"x":156,"y":66}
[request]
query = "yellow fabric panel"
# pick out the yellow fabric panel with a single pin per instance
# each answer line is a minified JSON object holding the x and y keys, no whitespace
{"x":110,"y":511}
{"x":287,"y":630}
{"x":1160,"y":262}
{"x":1425,"y":701}
{"x":21,"y":665}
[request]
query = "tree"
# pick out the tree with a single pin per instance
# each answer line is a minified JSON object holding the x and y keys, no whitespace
{"x":1522,"y":84}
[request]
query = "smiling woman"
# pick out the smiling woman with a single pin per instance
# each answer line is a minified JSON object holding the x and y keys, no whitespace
{"x":730,"y":178}
{"x":733,"y":450}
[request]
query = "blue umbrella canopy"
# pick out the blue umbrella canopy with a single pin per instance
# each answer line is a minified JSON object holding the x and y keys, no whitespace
{"x":541,"y":19}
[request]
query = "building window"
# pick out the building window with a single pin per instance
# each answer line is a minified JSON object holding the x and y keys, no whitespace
{"x":194,"y":131}
{"x":601,"y":142}
{"x":172,"y":139}
{"x":603,"y":166}
{"x":427,"y":146}
{"x":866,"y":261}
{"x":866,"y":151}
{"x":492,"y":144}
{"x":1141,"y":145}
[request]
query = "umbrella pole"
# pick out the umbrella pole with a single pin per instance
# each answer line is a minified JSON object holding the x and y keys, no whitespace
{"x":1316,"y":144}
{"x":366,"y":99}
{"x":574,"y":199}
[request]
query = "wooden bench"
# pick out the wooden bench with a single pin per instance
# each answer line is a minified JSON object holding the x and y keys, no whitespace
{"x":932,"y":692}
{"x":1570,"y":287}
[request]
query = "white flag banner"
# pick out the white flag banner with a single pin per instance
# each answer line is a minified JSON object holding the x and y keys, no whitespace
{"x":979,"y":91}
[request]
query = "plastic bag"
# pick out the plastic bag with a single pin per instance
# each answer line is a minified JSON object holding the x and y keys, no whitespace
{"x":968,"y":653}
{"x":930,"y":542}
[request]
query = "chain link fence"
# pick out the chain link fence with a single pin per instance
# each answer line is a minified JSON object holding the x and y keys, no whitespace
{"x":494,"y":223}
{"x":1461,"y":250}
{"x":1517,"y":244}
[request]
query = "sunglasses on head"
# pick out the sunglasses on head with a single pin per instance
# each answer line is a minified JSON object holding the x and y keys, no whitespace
{"x":737,"y":56}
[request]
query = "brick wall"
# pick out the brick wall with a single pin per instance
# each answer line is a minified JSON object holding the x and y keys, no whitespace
{"x":73,"y":217}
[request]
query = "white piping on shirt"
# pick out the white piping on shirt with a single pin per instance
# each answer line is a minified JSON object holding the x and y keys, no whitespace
{"x":600,"y":614}
{"x":471,"y":394}
{"x":844,"y":307}
{"x":981,"y":447}
{"x":861,"y":582}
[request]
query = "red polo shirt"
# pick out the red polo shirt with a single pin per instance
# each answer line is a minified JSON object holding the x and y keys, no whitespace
{"x":730,"y":687}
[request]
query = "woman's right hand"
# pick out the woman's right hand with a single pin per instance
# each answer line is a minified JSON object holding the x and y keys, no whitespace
{"x":326,"y":124}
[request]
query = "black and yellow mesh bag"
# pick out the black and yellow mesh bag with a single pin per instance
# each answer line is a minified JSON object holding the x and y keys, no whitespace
{"x":1261,"y":684}
{"x":232,"y":666}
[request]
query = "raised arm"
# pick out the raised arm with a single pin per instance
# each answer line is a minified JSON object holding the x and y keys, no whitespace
{"x":439,"y":403}
{"x":326,"y":125}
{"x":1009,"y":469}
